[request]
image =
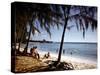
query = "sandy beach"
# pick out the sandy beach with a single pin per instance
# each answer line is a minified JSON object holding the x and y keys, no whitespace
{"x":30,"y":64}
{"x":78,"y":63}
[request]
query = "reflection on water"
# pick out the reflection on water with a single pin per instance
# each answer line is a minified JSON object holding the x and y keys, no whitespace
{"x":84,"y":50}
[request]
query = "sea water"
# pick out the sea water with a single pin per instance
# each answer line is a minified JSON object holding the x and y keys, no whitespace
{"x":80,"y":50}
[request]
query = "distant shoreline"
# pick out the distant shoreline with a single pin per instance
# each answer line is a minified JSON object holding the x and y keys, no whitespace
{"x":39,"y":41}
{"x":78,"y":42}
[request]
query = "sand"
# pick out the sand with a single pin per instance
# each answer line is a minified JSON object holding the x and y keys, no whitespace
{"x":78,"y":63}
{"x":30,"y":64}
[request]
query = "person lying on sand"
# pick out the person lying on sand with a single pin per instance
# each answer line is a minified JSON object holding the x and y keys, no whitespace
{"x":34,"y":53}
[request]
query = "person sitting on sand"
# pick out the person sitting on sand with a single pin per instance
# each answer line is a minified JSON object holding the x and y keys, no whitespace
{"x":47,"y":55}
{"x":34,"y":52}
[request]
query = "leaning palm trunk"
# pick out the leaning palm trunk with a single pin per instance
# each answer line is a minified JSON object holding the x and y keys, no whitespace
{"x":63,"y":34}
{"x":62,"y":41}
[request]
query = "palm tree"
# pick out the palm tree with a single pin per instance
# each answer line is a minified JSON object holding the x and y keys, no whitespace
{"x":28,"y":13}
{"x":51,"y":15}
{"x":84,"y":17}
{"x":66,"y":15}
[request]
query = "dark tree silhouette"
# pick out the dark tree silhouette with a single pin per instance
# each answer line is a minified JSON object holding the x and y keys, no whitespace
{"x":84,"y":17}
{"x":50,"y":15}
{"x":28,"y":13}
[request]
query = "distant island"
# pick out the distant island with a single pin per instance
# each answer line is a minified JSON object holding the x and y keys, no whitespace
{"x":41,"y":41}
{"x":45,"y":41}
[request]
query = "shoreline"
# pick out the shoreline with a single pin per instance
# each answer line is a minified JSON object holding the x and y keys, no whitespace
{"x":78,"y":63}
{"x":69,"y":58}
{"x":65,"y":57}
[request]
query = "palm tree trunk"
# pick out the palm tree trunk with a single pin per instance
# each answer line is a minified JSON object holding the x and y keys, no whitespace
{"x":25,"y":50}
{"x":21,"y":39}
{"x":19,"y":47}
{"x":63,"y":35}
{"x":62,"y":40}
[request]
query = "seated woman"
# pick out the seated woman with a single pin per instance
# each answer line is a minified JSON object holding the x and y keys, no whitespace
{"x":34,"y":53}
{"x":47,"y":55}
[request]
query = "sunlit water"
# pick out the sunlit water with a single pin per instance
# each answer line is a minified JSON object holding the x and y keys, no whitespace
{"x":81,"y":50}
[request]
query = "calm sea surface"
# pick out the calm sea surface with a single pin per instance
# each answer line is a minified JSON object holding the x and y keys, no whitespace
{"x":83,"y":50}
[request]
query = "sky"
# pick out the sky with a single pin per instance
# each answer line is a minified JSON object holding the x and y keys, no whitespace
{"x":72,"y":35}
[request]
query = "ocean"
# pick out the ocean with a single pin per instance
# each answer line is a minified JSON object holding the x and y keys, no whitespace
{"x":81,"y":50}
